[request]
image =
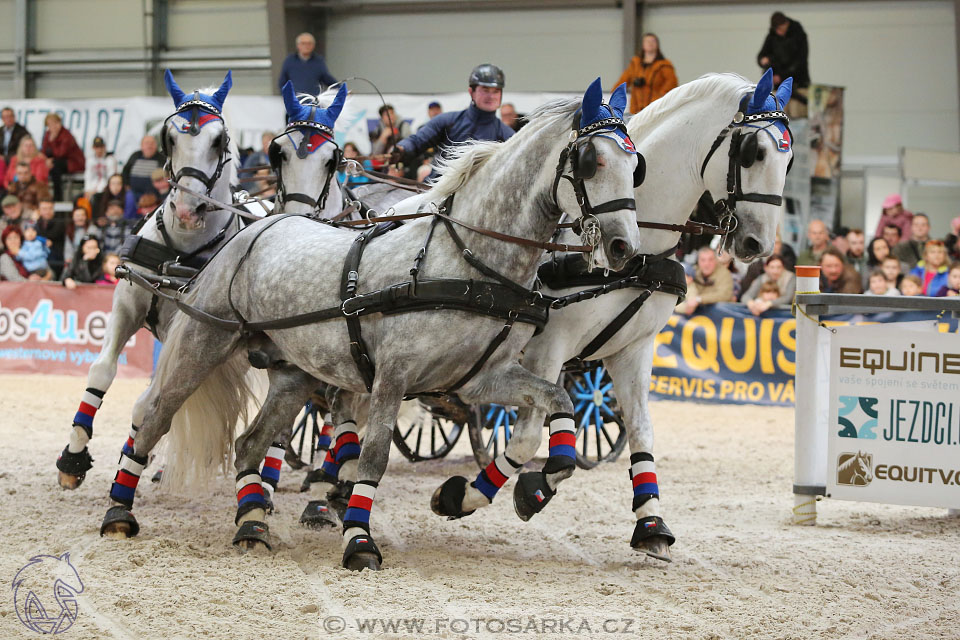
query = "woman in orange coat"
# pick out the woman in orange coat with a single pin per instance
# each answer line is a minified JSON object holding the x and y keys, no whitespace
{"x":649,"y":74}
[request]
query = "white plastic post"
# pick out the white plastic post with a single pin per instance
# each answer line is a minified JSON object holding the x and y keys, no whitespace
{"x":806,"y":409}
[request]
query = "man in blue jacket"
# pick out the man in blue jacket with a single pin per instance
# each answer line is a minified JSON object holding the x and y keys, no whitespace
{"x":307,"y":70}
{"x":479,"y":121}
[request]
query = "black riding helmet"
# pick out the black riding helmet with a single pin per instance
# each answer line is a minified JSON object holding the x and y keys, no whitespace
{"x":486,"y":75}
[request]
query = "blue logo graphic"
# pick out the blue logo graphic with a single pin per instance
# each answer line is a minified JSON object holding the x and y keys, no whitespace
{"x":45,"y":594}
{"x":857,"y":410}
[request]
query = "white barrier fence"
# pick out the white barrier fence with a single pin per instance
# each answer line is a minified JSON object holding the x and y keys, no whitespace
{"x":877,"y":414}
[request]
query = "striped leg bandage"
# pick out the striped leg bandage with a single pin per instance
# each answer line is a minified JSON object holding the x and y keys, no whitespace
{"x":270,"y":472}
{"x":129,"y":470}
{"x":92,"y":399}
{"x":643,"y":475}
{"x":329,"y":469}
{"x":495,"y":475}
{"x":563,"y":440}
{"x":249,"y":493}
{"x":347,"y":446}
{"x":326,"y":434}
{"x":356,"y":521}
{"x":128,"y":445}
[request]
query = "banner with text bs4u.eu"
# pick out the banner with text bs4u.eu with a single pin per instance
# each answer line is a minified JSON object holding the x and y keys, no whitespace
{"x":45,"y":328}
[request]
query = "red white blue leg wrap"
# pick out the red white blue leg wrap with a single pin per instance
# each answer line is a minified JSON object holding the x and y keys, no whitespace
{"x":326,"y":434}
{"x":357,"y":517}
{"x":130,"y":468}
{"x":347,"y":446}
{"x":249,"y":493}
{"x":92,"y":399}
{"x":495,"y":475}
{"x":643,"y":475}
{"x":563,"y":441}
{"x":270,"y":472}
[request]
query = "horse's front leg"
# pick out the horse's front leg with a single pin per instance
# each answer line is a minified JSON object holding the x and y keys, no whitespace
{"x":359,"y":550}
{"x":130,"y":308}
{"x":630,"y":369}
{"x":335,"y":479}
{"x":458,"y":497}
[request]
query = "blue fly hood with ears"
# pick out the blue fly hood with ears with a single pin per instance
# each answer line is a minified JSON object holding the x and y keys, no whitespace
{"x":212,"y":103}
{"x":765,"y":101}
{"x":596,"y":116}
{"x":301,"y":115}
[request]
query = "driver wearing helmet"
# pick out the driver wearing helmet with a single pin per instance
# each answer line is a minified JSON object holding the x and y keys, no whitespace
{"x":479,"y":121}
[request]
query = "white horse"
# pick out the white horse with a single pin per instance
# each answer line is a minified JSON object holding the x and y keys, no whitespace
{"x":718,"y":133}
{"x":184,"y":232}
{"x":462,"y":334}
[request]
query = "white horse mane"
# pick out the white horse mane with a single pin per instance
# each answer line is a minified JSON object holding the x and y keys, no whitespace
{"x":323,"y":99}
{"x":731,"y":85}
{"x":462,"y":159}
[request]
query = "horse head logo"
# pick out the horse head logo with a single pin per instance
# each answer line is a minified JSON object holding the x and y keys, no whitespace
{"x":855,"y":469}
{"x":37,"y":608}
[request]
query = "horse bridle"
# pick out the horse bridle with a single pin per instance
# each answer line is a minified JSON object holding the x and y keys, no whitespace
{"x":742,"y":154}
{"x":303,"y":150}
{"x":583,"y":160}
{"x":196,"y":106}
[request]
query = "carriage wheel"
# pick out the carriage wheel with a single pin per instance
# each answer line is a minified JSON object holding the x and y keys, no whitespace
{"x":424,"y":432}
{"x":302,"y":446}
{"x":601,"y":434}
{"x":491,"y":427}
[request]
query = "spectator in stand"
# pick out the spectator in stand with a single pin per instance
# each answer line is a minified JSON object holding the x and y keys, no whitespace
{"x":109,"y":268}
{"x":767,"y":296}
{"x":28,"y":154}
{"x":839,"y":241}
{"x":28,"y":189}
{"x":892,"y":270}
{"x":87,"y":267}
{"x":63,"y":153}
{"x":893,"y":235}
{"x":34,"y":252}
{"x":391,"y":130}
{"x":785,"y":50}
{"x":116,"y":228}
{"x":856,"y":252}
{"x":879,"y":285}
{"x":709,"y":284}
{"x":894,"y":213}
{"x":953,"y":282}
{"x":160,"y":185}
{"x":932,"y":270}
{"x":433,"y":110}
{"x":116,"y":190}
{"x":11,"y":268}
{"x":55,"y":230}
{"x":952,"y":241}
{"x":100,"y":165}
{"x":12,"y":212}
{"x":262,"y":157}
{"x":306,"y":68}
{"x":350,"y":152}
{"x":78,"y":228}
{"x":649,"y":75}
{"x":146,"y":205}
{"x":757,"y":267}
{"x":775,"y":272}
{"x":911,"y":285}
{"x":265,"y":187}
{"x":509,"y":117}
{"x":140,"y":166}
{"x":911,"y":251}
{"x":836,"y":276}
{"x":10,"y":134}
{"x":819,"y":240}
{"x":877,"y":251}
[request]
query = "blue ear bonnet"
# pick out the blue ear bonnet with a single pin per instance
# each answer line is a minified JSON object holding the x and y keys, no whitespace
{"x":211,"y":103}
{"x":765,"y":101}
{"x":305,"y":115}
{"x":596,"y":116}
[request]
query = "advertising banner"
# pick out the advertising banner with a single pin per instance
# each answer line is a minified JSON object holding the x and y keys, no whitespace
{"x":45,"y":328}
{"x":894,"y":415}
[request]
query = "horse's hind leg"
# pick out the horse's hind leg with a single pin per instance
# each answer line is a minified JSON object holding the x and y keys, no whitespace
{"x":129,"y":309}
{"x":289,"y":389}
{"x":630,"y":370}
{"x":191,"y":353}
{"x":457,"y":497}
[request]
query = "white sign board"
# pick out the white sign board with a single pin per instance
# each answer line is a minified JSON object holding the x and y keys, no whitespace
{"x":894,"y":428}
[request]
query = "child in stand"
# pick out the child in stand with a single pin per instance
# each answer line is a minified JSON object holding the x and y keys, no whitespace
{"x":952,"y":287}
{"x":766,"y":298}
{"x":880,"y":286}
{"x":911,"y":285}
{"x":110,"y":263}
{"x":116,"y":228}
{"x":34,"y":252}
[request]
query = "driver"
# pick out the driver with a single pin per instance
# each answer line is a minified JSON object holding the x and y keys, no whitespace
{"x":479,"y":121}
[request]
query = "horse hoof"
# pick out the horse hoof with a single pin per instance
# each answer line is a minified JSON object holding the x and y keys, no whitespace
{"x":362,"y":553}
{"x":339,"y":497}
{"x":361,"y":560}
{"x":657,"y":547}
{"x":531,"y":494}
{"x":252,"y":535}
{"x":69,"y":481}
{"x":318,"y":515}
{"x":157,"y":477}
{"x":119,"y":524}
{"x":447,"y":500}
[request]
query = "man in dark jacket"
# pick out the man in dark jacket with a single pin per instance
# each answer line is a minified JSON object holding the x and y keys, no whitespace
{"x":479,"y":121}
{"x":140,"y":166}
{"x":785,"y":50}
{"x":10,"y":133}
{"x":306,"y":69}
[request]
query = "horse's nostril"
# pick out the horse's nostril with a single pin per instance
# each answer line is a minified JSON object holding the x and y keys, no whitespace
{"x":752,"y":246}
{"x":201,"y":207}
{"x":618,"y":248}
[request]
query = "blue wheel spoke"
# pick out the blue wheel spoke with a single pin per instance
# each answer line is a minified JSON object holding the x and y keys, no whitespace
{"x":605,"y":388}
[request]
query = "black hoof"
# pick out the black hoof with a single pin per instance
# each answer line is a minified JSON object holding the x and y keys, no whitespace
{"x":447,"y":500}
{"x":362,"y":553}
{"x":157,"y":477}
{"x":653,"y":537}
{"x":73,"y":467}
{"x":339,"y":497}
{"x":531,"y":494}
{"x":251,"y":535}
{"x":119,"y":523}
{"x":317,"y":475}
{"x":318,"y":515}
